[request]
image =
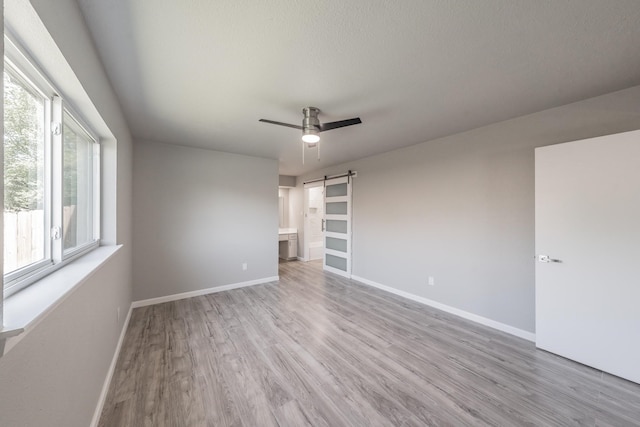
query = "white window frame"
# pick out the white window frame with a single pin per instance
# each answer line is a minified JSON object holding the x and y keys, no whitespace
{"x":18,"y":63}
{"x":73,"y":253}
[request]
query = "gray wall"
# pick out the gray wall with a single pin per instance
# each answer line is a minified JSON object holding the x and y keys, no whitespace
{"x":55,"y":374}
{"x":198,"y":215}
{"x":53,"y":377}
{"x":2,"y":160}
{"x":461,"y":209}
{"x":287,"y":181}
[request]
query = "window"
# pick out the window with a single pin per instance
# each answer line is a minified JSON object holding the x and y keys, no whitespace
{"x":78,"y":185}
{"x":24,"y":181}
{"x":51,"y":177}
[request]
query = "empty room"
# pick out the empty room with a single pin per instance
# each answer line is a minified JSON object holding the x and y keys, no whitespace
{"x":320,"y":213}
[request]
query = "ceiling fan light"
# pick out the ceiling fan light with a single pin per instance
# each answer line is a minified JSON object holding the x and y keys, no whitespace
{"x":310,"y":136}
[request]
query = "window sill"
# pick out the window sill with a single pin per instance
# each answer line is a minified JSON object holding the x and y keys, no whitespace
{"x":28,"y":307}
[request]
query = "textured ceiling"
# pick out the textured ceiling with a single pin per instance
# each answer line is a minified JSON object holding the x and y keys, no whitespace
{"x":201,"y":73}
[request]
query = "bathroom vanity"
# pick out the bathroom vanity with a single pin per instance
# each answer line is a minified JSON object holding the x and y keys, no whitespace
{"x":288,"y":243}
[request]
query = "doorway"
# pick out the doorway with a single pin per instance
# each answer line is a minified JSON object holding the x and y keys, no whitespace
{"x":313,"y":216}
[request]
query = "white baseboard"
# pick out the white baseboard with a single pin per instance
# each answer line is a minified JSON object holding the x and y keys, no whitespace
{"x":107,"y":382}
{"x":521,"y":333}
{"x":175,"y":297}
{"x":302,"y":259}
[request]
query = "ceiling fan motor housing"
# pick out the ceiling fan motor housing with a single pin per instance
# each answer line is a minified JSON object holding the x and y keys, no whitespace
{"x":310,"y":121}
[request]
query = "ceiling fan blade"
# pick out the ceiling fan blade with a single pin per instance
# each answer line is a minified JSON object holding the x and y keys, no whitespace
{"x":340,"y":124}
{"x":281,"y":124}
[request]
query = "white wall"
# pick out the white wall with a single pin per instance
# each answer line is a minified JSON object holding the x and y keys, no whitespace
{"x":55,"y":374}
{"x":198,"y":215}
{"x":461,"y":209}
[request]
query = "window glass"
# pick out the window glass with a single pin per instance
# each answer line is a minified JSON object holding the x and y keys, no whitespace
{"x":51,"y":177}
{"x":77,"y":218}
{"x":24,"y":177}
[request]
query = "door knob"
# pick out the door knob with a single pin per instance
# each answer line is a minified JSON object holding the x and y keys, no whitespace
{"x":547,"y":258}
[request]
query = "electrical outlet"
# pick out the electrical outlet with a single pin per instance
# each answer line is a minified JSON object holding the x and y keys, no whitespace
{"x":432,"y":281}
{"x":244,"y":266}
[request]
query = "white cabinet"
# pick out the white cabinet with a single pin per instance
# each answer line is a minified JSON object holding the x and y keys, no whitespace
{"x":288,"y":245}
{"x":293,"y":246}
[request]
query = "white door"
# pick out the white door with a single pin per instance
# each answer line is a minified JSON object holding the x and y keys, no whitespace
{"x":587,"y":236}
{"x":337,"y":226}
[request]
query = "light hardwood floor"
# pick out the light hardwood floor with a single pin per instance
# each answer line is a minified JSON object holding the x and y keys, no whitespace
{"x":316,"y":349}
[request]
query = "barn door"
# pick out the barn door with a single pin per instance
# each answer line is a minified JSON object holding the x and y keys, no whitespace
{"x":337,"y":226}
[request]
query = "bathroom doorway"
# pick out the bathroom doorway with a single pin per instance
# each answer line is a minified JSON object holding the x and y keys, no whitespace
{"x":313,"y":217}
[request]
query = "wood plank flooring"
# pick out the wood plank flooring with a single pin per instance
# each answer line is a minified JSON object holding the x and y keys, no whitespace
{"x":318,"y":350}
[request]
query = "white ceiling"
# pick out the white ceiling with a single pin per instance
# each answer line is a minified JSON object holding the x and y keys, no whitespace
{"x":201,"y":73}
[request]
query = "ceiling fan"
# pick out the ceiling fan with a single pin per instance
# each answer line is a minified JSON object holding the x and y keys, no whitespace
{"x":311,"y":127}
